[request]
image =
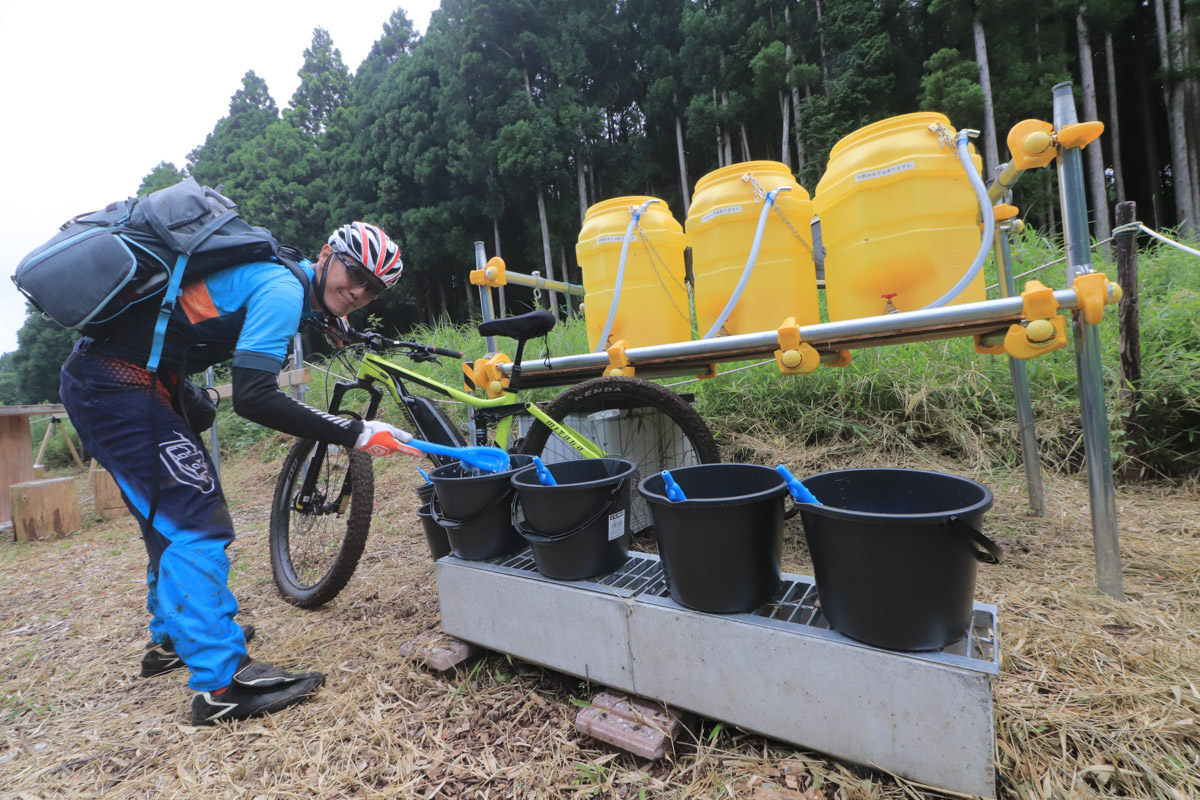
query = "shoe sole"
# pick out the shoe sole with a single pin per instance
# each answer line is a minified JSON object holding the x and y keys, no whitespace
{"x":308,"y":689}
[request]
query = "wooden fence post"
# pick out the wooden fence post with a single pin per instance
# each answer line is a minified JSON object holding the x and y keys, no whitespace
{"x":1129,"y":345}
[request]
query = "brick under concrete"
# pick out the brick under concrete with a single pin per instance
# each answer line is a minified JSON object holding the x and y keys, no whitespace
{"x":637,"y":726}
{"x":438,"y":651}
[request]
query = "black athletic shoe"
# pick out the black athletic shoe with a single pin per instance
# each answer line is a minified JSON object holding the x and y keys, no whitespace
{"x":161,"y":657}
{"x":257,"y":688}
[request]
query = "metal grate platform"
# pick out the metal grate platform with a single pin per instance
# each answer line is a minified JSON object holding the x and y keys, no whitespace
{"x":779,"y":671}
{"x":796,"y":603}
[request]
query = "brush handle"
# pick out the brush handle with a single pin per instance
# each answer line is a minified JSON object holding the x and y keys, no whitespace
{"x":544,"y":476}
{"x":674,"y":493}
{"x":800,"y":492}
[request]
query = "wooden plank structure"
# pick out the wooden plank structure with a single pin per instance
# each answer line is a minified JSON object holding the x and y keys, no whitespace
{"x":106,"y":494}
{"x":45,"y":509}
{"x":293,"y":377}
{"x":16,"y":449}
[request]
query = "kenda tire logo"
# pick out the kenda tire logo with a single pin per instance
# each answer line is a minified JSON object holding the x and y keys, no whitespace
{"x":186,"y":463}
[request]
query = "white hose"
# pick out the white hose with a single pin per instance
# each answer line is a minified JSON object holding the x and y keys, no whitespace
{"x":634,"y":216}
{"x":989,"y":222}
{"x":750,"y":261}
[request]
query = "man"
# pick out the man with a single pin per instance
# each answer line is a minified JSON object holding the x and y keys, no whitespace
{"x":128,"y":419}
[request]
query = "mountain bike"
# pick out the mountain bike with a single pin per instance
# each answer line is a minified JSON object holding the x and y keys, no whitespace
{"x":321,"y":513}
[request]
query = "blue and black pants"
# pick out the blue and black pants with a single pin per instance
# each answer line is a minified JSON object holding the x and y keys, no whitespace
{"x":124,"y":417}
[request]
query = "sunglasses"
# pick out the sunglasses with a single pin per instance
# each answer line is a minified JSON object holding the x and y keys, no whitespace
{"x":359,"y":276}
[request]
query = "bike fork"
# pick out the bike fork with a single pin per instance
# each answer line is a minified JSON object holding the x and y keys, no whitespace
{"x":312,"y":466}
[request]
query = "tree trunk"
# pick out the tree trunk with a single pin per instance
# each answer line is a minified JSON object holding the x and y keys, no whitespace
{"x":1113,"y":121}
{"x":801,"y":156}
{"x":566,"y":277}
{"x":745,"y":142}
{"x":1173,"y":95}
{"x":720,"y":150}
{"x":500,"y":289}
{"x":1181,"y":24}
{"x":821,"y":43}
{"x":547,"y":258}
{"x":785,"y":102}
{"x":582,"y":183}
{"x":991,"y":152}
{"x":1148,"y":138}
{"x":683,"y":176}
{"x":726,"y":137}
{"x":1093,"y":153}
{"x":788,"y":99}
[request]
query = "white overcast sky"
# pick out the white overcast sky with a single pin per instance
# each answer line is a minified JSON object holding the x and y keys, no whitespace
{"x":96,"y":94}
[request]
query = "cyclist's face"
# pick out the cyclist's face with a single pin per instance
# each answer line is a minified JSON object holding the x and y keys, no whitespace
{"x":344,"y":279}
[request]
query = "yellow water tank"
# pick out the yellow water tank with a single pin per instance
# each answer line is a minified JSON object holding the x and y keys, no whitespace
{"x":721,"y":225}
{"x":899,"y":219}
{"x":653,"y":304}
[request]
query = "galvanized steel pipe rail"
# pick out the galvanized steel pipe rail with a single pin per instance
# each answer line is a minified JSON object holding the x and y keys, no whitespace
{"x":986,"y":318}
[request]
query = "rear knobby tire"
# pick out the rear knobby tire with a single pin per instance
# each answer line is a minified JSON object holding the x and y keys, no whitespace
{"x":314,"y":552}
{"x":684,"y":438}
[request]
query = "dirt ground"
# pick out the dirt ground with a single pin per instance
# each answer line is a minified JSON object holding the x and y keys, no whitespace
{"x":1095,"y":698}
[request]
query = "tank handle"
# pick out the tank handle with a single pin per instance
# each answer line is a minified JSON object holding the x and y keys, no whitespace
{"x":983,"y":548}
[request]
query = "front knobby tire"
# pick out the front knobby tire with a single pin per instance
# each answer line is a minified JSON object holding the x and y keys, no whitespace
{"x":314,"y":551}
{"x":613,"y":412}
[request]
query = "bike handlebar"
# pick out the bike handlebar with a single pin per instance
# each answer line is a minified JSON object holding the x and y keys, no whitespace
{"x":379,"y":342}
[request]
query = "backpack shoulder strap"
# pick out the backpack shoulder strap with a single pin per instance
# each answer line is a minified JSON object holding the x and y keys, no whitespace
{"x":164,"y":311}
{"x":289,"y":256}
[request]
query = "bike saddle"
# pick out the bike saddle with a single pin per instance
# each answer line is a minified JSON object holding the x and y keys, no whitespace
{"x":521,"y":327}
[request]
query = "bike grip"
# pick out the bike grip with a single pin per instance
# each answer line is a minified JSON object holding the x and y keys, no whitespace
{"x":442,"y":351}
{"x":383,"y":443}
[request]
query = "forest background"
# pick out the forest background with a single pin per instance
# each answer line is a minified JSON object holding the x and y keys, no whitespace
{"x":509,"y":118}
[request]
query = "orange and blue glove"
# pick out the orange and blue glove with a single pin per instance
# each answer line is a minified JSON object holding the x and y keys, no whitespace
{"x":381,"y":439}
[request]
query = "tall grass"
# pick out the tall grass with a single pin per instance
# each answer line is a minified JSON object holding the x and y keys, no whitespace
{"x":939,"y":397}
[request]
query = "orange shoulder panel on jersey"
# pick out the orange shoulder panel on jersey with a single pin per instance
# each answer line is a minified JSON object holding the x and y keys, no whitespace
{"x":197,"y":303}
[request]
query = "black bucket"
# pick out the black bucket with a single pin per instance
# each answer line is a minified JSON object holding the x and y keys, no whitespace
{"x":475,"y":509}
{"x":435,"y":535}
{"x":895,"y":552}
{"x":579,"y":528}
{"x":721,"y":547}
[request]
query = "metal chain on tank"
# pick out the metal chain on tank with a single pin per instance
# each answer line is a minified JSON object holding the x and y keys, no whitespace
{"x":945,"y":138}
{"x":654,"y":257}
{"x":760,"y":194}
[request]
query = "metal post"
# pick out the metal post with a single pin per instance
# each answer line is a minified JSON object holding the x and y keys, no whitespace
{"x":1026,"y":432}
{"x":298,"y":363}
{"x":485,"y":297}
{"x":214,"y":443}
{"x":1105,"y":538}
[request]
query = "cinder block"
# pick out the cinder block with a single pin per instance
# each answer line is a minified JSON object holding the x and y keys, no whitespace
{"x":637,"y":726}
{"x":438,"y":651}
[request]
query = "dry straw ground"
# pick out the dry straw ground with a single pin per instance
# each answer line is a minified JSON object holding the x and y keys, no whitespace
{"x":1096,"y":698}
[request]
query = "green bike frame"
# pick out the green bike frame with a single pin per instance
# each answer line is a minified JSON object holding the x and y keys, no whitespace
{"x":376,"y":368}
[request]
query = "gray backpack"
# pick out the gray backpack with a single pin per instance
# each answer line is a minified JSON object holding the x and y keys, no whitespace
{"x":102,"y":264}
